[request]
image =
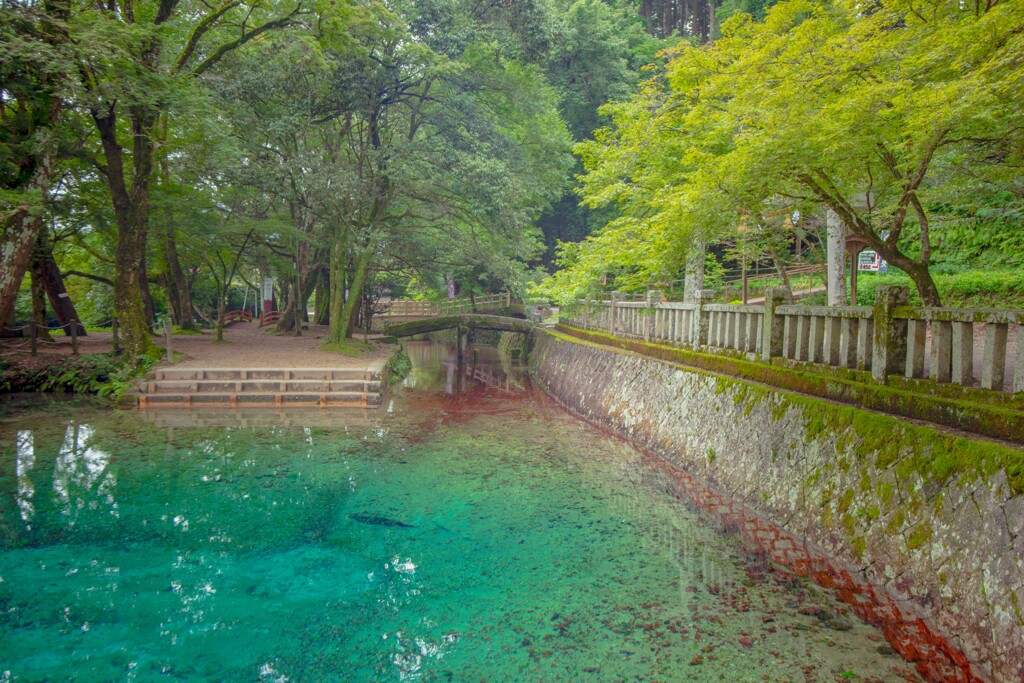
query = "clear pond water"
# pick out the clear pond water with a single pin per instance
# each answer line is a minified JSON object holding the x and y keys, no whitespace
{"x":469,"y":531}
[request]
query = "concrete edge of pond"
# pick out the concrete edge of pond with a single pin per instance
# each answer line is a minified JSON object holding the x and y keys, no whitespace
{"x":918,"y":530}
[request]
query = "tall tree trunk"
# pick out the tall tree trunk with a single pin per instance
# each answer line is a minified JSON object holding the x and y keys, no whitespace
{"x":170,"y":296}
{"x":182,"y":296}
{"x":19,"y":237}
{"x":45,"y":269}
{"x":16,"y":245}
{"x":222,"y":297}
{"x":355,"y":292}
{"x":780,"y":269}
{"x":322,"y":310}
{"x":39,"y":307}
{"x":131,"y":213}
{"x":336,"y":283}
{"x":287,"y":321}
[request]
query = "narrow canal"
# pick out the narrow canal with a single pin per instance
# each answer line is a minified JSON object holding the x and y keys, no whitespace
{"x":469,"y":530}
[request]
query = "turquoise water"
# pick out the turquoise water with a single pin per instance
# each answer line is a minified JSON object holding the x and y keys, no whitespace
{"x":468,"y":531}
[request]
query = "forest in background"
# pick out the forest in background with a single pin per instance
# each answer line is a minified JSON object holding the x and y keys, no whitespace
{"x":164,"y":157}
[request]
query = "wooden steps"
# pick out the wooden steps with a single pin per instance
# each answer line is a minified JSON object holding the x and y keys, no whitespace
{"x":280,"y":387}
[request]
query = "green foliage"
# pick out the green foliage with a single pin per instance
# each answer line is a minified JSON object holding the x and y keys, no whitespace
{"x":106,"y":375}
{"x":902,"y":123}
{"x":968,"y":289}
{"x":398,"y":366}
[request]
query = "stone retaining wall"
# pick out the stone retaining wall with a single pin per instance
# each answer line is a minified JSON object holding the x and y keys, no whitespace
{"x":915,"y":529}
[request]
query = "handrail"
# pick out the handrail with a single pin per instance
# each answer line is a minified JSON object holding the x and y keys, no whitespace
{"x":235,"y":316}
{"x":407,"y":307}
{"x":889,"y":338}
{"x":269,"y":318}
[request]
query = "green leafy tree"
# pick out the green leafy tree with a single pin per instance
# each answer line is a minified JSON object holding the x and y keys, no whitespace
{"x":884,"y":117}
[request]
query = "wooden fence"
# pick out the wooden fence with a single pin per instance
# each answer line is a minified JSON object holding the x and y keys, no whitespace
{"x":959,"y":346}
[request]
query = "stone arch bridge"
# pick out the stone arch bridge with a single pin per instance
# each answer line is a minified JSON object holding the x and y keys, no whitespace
{"x":460,"y":321}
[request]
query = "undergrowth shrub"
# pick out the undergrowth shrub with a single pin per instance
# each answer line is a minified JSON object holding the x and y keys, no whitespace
{"x":967,"y":289}
{"x":98,"y":374}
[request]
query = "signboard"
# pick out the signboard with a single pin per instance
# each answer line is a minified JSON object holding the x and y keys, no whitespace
{"x":870,"y":261}
{"x":268,"y":289}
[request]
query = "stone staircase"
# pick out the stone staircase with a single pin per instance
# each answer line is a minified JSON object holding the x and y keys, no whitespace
{"x":231,"y":387}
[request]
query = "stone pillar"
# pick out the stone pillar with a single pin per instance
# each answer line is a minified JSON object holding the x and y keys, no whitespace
{"x":699,"y":335}
{"x":774,"y":324}
{"x":836,"y":259}
{"x":694,"y":283}
{"x":889,"y":351}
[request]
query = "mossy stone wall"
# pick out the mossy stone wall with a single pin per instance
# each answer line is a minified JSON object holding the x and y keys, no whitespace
{"x":928,"y":518}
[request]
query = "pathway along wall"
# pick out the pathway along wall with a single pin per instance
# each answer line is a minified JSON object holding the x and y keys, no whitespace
{"x":922,"y":533}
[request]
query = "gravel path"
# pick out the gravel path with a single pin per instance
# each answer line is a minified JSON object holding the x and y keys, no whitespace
{"x":245,"y":346}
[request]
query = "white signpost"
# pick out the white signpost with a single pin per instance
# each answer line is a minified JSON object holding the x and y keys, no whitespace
{"x":268,"y":294}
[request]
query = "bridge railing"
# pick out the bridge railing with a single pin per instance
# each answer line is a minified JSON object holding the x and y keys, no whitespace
{"x":967,"y":347}
{"x":409,"y":308}
{"x":269,"y":318}
{"x":235,"y":316}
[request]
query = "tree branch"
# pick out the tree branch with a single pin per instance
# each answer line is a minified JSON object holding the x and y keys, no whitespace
{"x":200,"y":30}
{"x":89,"y":276}
{"x":280,"y":22}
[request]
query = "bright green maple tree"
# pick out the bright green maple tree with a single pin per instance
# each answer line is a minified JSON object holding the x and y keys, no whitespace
{"x":882,"y":117}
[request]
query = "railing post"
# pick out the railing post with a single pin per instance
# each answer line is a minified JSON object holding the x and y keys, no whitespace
{"x":773,"y":324}
{"x":701,"y":322}
{"x":833,"y":339}
{"x":889,"y":351}
{"x":33,"y":337}
{"x":653,"y":298}
{"x":73,"y":326}
{"x":614,"y":309}
{"x":1018,"y":367}
{"x":994,"y":363}
{"x":963,"y":353}
{"x":916,"y":352}
{"x":942,"y":351}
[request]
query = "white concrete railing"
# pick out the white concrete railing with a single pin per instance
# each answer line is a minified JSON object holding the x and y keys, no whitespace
{"x":890,"y":338}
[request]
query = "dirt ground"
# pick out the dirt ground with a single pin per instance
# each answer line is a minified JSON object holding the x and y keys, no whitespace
{"x":245,"y":345}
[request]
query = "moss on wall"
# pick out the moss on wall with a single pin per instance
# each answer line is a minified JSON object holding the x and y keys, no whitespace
{"x":1002,"y":418}
{"x":931,"y":515}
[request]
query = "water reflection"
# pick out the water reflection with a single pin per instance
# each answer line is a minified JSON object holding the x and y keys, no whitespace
{"x":25,"y":460}
{"x":80,"y":478}
{"x":436,"y":367}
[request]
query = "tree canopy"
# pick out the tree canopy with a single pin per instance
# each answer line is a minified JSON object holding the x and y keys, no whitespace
{"x":163,"y":154}
{"x":902,"y":120}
